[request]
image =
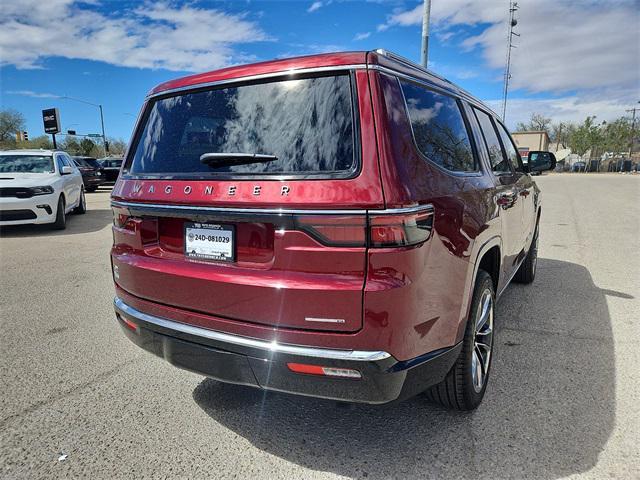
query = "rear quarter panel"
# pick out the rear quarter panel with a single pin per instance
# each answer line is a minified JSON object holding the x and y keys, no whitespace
{"x":423,"y":293}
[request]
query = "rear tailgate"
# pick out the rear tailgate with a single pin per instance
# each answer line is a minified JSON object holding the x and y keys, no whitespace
{"x":299,"y":256}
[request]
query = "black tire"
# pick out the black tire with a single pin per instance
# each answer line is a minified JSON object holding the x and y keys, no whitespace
{"x":61,"y":219}
{"x":458,"y":390}
{"x":527,"y":271}
{"x":91,"y":189}
{"x":81,"y":209}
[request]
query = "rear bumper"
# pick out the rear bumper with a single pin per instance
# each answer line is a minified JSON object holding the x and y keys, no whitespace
{"x":262,"y":364}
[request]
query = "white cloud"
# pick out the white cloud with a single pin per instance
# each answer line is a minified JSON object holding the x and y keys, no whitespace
{"x":314,"y":6}
{"x":155,"y":35}
{"x":570,"y":108}
{"x":30,"y":93}
{"x":362,"y":36}
{"x":576,"y":50}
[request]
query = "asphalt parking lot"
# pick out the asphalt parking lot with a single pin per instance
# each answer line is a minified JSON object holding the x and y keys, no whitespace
{"x":79,"y":400}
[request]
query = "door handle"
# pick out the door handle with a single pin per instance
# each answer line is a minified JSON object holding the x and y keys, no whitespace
{"x":506,"y":199}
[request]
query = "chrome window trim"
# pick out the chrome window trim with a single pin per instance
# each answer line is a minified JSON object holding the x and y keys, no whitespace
{"x":261,"y":76}
{"x":274,"y":211}
{"x":268,"y":346}
{"x":454,"y":90}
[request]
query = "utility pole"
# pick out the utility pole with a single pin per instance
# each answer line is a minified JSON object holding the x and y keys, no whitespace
{"x":99,"y":106}
{"x":425,"y":32}
{"x":513,"y":6}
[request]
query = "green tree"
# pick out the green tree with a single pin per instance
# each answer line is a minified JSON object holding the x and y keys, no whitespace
{"x":71,"y":145}
{"x":89,"y":149}
{"x":11,"y":121}
{"x":616,"y":135}
{"x":586,"y":136}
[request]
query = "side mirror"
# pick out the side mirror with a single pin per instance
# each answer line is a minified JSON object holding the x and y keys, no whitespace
{"x":541,"y":161}
{"x":66,"y":170}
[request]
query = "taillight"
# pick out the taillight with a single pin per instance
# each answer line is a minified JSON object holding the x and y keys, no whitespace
{"x":147,"y":227}
{"x":378,"y":230}
{"x":335,"y":230}
{"x":400,"y":230}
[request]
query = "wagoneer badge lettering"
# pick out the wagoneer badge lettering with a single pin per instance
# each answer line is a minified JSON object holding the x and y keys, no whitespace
{"x":209,"y":190}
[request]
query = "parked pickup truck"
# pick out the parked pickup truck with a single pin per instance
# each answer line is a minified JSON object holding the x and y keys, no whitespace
{"x":339,"y":226}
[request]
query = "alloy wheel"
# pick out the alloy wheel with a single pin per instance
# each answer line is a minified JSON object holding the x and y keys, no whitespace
{"x":482,"y":341}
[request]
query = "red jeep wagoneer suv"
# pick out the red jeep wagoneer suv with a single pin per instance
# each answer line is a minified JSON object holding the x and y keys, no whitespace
{"x":338,"y":226}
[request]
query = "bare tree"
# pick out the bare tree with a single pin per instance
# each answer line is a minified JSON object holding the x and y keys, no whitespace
{"x":11,"y":121}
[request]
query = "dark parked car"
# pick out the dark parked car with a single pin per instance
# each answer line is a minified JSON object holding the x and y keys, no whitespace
{"x":91,"y":171}
{"x":111,"y":168}
{"x":579,"y":166}
{"x":343,"y":231}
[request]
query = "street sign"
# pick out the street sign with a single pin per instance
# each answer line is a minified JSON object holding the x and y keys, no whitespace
{"x":51,"y":119}
{"x":96,"y":135}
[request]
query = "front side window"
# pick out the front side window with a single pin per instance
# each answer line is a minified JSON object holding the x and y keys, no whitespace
{"x":499,"y":163}
{"x":301,"y":127}
{"x":26,"y":164}
{"x":439,"y":128}
{"x":510,"y":148}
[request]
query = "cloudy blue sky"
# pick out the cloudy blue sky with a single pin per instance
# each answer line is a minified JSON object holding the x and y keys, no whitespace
{"x":574,"y":58}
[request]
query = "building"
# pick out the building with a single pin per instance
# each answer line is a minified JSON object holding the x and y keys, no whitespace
{"x":531,"y":141}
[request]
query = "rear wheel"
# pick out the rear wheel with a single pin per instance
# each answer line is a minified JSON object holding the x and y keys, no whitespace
{"x":82,"y":204}
{"x":464,"y":386}
{"x":61,"y":219}
{"x":527,"y":271}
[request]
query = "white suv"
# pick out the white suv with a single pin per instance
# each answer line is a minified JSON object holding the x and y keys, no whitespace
{"x":39,"y":186}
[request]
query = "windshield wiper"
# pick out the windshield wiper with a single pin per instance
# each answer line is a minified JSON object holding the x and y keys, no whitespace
{"x":227,"y":159}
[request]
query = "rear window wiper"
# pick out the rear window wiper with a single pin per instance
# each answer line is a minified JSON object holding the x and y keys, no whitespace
{"x":227,"y":159}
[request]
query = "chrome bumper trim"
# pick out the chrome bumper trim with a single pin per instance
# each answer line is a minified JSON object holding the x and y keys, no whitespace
{"x":273,"y":346}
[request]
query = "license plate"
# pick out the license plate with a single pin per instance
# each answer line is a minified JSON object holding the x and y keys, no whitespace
{"x":204,"y":241}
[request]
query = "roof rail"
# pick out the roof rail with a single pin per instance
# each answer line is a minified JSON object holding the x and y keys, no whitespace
{"x":407,"y":62}
{"x":412,"y":64}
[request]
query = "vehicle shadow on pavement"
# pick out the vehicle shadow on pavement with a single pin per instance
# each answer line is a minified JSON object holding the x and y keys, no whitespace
{"x":92,"y":221}
{"x":548,"y":412}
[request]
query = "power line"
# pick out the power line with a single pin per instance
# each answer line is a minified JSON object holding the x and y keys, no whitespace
{"x":513,"y":7}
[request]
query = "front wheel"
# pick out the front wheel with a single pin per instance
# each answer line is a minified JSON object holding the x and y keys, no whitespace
{"x":527,"y":271}
{"x":464,"y":386}
{"x":82,"y":204}
{"x":61,"y":219}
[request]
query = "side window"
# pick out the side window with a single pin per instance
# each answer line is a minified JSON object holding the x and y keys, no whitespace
{"x":510,"y":148}
{"x":439,"y":128}
{"x":59,"y":162}
{"x":499,"y":164}
{"x":66,"y":161}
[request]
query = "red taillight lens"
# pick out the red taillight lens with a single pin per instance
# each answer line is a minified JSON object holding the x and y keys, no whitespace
{"x":374,"y":230}
{"x":400,"y":230}
{"x":324,"y":371}
{"x":338,"y":230}
{"x":147,"y":227}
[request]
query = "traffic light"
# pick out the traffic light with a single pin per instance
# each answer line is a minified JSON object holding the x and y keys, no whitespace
{"x":22,"y":136}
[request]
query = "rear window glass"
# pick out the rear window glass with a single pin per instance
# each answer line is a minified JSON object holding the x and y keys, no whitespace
{"x":439,"y":129}
{"x":26,"y":164}
{"x":306,"y":123}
